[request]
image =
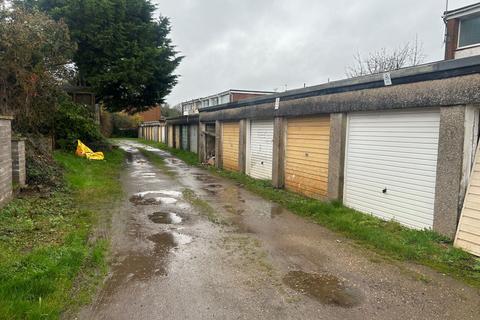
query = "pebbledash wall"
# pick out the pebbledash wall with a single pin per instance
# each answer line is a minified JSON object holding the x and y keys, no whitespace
{"x":402,"y":151}
{"x":5,"y":160}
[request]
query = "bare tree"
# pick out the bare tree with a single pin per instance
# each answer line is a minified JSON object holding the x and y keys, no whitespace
{"x":383,"y":60}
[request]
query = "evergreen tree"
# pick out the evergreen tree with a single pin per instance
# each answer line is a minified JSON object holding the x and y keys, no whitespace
{"x":124,"y":53}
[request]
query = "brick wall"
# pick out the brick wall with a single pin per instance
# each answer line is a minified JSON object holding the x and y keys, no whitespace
{"x":242,"y":96}
{"x":153,"y":114}
{"x":5,"y":159}
{"x":451,"y":39}
{"x":18,"y":162}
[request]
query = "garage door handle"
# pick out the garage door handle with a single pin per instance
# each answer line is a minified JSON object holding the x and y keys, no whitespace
{"x":384,"y":190}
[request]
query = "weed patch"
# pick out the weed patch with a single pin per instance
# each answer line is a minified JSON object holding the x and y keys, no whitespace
{"x":203,"y":206}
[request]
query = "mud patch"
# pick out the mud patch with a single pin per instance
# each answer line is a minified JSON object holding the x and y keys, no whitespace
{"x":325,"y":288}
{"x":276,"y":210}
{"x":141,"y":201}
{"x":205,"y":178}
{"x":212,"y":188}
{"x":165,"y":218}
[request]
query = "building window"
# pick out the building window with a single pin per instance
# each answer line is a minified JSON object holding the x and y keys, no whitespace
{"x":225,"y":99}
{"x":469,"y":32}
{"x":214,"y":101}
{"x":205,"y":103}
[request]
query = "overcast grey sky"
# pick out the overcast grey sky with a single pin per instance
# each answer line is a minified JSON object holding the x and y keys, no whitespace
{"x":266,"y":44}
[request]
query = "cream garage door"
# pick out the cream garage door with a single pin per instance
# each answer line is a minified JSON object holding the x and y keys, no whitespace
{"x":260,"y":155}
{"x":390,"y":165}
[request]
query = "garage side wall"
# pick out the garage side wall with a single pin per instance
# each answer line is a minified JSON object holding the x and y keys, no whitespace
{"x":449,"y":169}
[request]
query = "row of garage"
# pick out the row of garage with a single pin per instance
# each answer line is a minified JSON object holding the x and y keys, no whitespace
{"x":179,"y":136}
{"x":390,"y":160}
{"x":400,"y":152}
{"x":154,"y":131}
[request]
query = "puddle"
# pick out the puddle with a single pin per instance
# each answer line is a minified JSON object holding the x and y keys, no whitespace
{"x":141,"y":267}
{"x":181,"y":238}
{"x":165,"y":218}
{"x":140,"y":199}
{"x":163,"y":243}
{"x":163,"y":192}
{"x":137,"y":200}
{"x":205,"y":178}
{"x":325,"y":288}
{"x":166,"y":200}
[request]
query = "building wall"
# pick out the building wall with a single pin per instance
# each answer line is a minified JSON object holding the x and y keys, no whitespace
{"x":5,"y":160}
{"x":467,"y":52}
{"x":153,"y":114}
{"x":451,"y":40}
{"x":242,"y":96}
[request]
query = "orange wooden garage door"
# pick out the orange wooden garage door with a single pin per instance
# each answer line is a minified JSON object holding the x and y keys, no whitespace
{"x":230,"y":142}
{"x":306,"y":168}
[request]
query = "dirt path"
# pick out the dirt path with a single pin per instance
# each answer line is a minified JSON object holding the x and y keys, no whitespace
{"x":225,"y":253}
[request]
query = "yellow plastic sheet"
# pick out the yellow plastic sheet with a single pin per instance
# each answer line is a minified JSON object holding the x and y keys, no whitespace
{"x":84,"y":151}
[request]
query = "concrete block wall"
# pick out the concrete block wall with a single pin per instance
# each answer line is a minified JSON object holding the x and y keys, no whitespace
{"x":18,"y":162}
{"x":5,"y":159}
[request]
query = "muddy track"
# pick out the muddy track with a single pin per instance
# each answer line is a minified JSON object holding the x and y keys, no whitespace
{"x":189,"y":245}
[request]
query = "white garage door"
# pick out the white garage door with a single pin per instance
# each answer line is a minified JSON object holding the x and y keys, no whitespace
{"x":390,"y":165}
{"x":259,"y":163}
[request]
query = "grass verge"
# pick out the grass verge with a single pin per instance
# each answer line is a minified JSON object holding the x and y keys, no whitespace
{"x":49,"y":263}
{"x":387,"y":238}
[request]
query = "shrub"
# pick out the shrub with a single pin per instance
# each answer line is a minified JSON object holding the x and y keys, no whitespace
{"x":74,"y":121}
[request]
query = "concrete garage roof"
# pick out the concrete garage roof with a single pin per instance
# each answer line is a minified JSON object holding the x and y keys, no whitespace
{"x":443,"y":83}
{"x":183,"y":119}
